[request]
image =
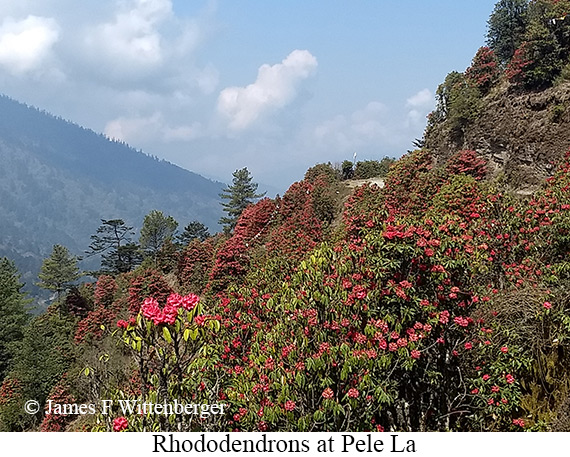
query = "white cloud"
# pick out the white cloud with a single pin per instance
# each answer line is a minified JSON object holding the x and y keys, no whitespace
{"x":424,"y":98}
{"x":421,"y":104}
{"x":132,"y":38}
{"x":25,"y":45}
{"x":275,"y":87}
{"x":363,"y":127}
{"x":151,"y":128}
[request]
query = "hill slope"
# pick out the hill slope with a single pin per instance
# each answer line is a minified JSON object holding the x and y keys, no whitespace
{"x":58,"y":180}
{"x":520,"y":134}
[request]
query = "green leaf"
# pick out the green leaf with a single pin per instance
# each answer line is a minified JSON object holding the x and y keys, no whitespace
{"x":166,"y":334}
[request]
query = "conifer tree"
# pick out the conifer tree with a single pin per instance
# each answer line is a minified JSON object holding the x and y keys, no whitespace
{"x":239,"y":195}
{"x":58,"y":271}
{"x":13,"y":313}
{"x":113,"y":241}
{"x":195,"y":230}
{"x":156,"y":230}
{"x":506,"y":28}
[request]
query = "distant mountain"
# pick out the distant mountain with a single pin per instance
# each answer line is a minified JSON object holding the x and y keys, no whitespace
{"x":58,"y":180}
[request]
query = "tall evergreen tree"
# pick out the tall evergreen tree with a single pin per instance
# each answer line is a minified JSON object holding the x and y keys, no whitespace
{"x":113,"y":241}
{"x":506,"y":28}
{"x":195,"y":230}
{"x":13,"y":313}
{"x":156,"y":230}
{"x":59,"y":270}
{"x":239,"y":195}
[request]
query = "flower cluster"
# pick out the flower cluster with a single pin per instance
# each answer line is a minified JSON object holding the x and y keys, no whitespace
{"x":120,"y":424}
{"x":151,"y":310}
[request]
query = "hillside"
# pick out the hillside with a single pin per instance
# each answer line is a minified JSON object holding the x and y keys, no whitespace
{"x":433,"y":299}
{"x":522,"y":135}
{"x":512,"y":104}
{"x":440,"y":302}
{"x":58,"y":180}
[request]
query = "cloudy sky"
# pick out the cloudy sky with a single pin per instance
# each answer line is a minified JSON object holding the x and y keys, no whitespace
{"x":213,"y":86}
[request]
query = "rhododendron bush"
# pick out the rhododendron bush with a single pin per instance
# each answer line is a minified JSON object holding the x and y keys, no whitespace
{"x":435,"y":303}
{"x":409,"y":322}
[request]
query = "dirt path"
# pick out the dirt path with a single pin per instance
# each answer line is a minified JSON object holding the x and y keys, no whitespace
{"x":359,"y":182}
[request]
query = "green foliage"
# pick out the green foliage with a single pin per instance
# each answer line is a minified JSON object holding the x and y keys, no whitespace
{"x":239,"y":195}
{"x":506,"y":28}
{"x":546,"y":46}
{"x":156,"y":230}
{"x":195,"y":230}
{"x":347,"y":169}
{"x":113,"y":242}
{"x":171,"y":350}
{"x":556,"y":113}
{"x":59,"y":270}
{"x":564,"y":75}
{"x":324,"y":171}
{"x":13,"y":314}
{"x":373,"y":168}
{"x":458,"y":102}
{"x":45,"y":355}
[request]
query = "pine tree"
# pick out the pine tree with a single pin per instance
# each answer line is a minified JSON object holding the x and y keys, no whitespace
{"x":506,"y":28}
{"x":195,"y":230}
{"x":156,"y":230}
{"x":13,"y":313}
{"x":113,"y":242}
{"x":239,"y":195}
{"x":58,"y":271}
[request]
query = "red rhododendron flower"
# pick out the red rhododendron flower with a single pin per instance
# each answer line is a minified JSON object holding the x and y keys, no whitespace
{"x":415,"y":354}
{"x":150,"y":308}
{"x":122,"y":324}
{"x":504,"y":349}
{"x":486,"y":377}
{"x":289,"y":405}
{"x":174,"y":300}
{"x":547,"y":305}
{"x":190,"y":301}
{"x":510,"y":378}
{"x":170,"y":313}
{"x":353,"y":393}
{"x":328,"y":393}
{"x":120,"y":424}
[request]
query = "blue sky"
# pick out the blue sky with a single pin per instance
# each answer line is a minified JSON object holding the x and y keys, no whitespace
{"x":213,"y":86}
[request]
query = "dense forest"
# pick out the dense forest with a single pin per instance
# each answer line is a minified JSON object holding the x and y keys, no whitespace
{"x":437,"y":301}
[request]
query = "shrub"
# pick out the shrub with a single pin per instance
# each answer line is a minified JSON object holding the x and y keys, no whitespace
{"x":373,"y":168}
{"x":484,"y":71}
{"x":466,"y":162}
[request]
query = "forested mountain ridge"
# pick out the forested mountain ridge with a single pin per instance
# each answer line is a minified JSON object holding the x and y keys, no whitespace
{"x":58,"y":180}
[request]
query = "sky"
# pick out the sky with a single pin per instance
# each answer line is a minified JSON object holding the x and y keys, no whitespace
{"x":218,"y":85}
